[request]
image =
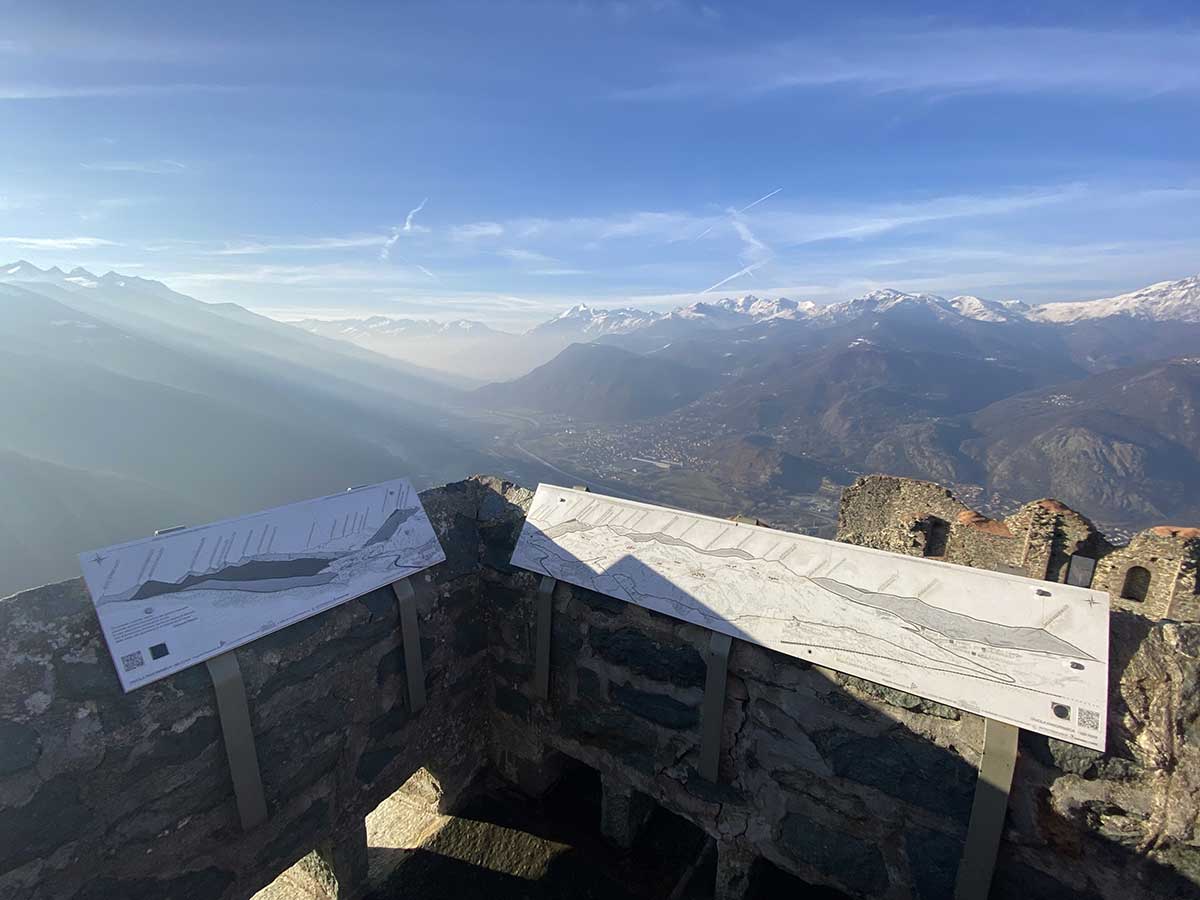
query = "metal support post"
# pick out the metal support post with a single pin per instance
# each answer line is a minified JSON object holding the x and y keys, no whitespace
{"x":541,"y":657}
{"x":239,"y":739}
{"x":410,"y":634}
{"x":713,"y":710}
{"x":988,"y":811}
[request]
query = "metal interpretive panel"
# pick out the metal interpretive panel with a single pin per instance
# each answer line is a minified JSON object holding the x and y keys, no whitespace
{"x":1030,"y":653}
{"x":177,"y":599}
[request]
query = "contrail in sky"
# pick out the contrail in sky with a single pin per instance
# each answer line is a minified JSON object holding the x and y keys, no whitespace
{"x":739,"y":212}
{"x":760,"y":200}
{"x":746,"y":271}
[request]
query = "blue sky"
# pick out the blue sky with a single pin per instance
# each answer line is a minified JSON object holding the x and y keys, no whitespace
{"x":501,"y":160}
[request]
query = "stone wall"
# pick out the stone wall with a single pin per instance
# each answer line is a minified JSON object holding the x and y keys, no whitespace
{"x":1039,"y":541}
{"x":845,"y":783}
{"x":833,"y":779}
{"x":107,"y":795}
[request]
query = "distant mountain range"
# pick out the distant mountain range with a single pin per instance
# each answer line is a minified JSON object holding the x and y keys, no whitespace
{"x":131,"y":407}
{"x":1092,"y":402}
{"x":472,"y":350}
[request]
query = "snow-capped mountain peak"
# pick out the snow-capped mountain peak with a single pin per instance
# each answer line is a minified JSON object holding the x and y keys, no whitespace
{"x":744,"y":310}
{"x":593,"y":322}
{"x":22,"y":270}
{"x":963,"y":306}
{"x":970,"y":307}
{"x":19,"y":268}
{"x":1166,"y":301}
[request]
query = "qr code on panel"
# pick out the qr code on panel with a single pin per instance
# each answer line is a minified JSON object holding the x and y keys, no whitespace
{"x":1089,"y":718}
{"x":133,"y":660}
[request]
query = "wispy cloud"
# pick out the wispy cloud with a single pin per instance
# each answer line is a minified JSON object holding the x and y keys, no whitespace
{"x":994,"y":60}
{"x":145,"y":167}
{"x":328,"y":243}
{"x":408,"y":220}
{"x":526,"y":256}
{"x":70,"y":243}
{"x":871,"y":220}
{"x":407,"y":228}
{"x":14,"y":91}
{"x":476,"y":230}
{"x":334,"y":277}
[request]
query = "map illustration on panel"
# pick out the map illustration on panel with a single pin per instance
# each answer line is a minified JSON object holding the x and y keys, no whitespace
{"x":1030,"y":653}
{"x":179,"y":598}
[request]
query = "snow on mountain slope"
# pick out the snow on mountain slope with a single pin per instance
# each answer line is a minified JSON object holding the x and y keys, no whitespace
{"x":987,"y":310}
{"x":586,"y":320}
{"x":26,"y":271}
{"x":1166,"y":301}
{"x":738,"y":311}
{"x":887,"y":300}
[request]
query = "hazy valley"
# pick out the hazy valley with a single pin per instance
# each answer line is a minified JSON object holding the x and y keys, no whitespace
{"x":769,"y":401}
{"x":133,"y":407}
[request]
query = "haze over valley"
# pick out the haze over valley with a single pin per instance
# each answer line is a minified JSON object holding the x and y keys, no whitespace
{"x":134,"y":407}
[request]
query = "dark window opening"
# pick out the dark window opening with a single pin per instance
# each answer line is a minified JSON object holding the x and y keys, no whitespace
{"x":573,"y":803}
{"x":1137,"y":584}
{"x":937,"y":536}
{"x":671,"y":857}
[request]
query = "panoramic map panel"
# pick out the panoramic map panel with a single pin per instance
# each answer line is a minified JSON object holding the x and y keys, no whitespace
{"x":177,"y":599}
{"x":1030,"y":653}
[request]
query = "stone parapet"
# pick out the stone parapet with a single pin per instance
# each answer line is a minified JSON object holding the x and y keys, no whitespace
{"x":838,"y":781}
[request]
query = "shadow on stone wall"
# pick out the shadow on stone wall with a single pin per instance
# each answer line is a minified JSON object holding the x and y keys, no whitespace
{"x":832,"y":779}
{"x":840,"y":781}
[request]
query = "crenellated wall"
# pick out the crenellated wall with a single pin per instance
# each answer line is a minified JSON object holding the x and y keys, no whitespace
{"x":838,"y":781}
{"x":1038,"y":540}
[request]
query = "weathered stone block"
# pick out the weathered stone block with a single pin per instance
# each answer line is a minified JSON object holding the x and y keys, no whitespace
{"x":210,"y":882}
{"x":660,"y":709}
{"x":916,"y":772}
{"x":51,"y":818}
{"x":933,"y":859}
{"x":606,"y":728}
{"x":20,"y":747}
{"x":902,"y":699}
{"x":172,"y":748}
{"x":630,"y":648}
{"x":847,"y":860}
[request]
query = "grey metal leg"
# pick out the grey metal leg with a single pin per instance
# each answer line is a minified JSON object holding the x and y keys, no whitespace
{"x":713,"y":712}
{"x":239,"y":739}
{"x":410,"y":634}
{"x":988,"y":811}
{"x":541,"y":658}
